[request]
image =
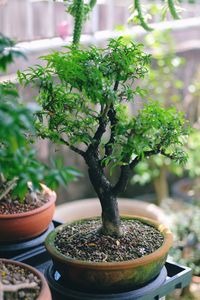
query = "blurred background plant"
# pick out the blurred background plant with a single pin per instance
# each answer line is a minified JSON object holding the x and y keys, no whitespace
{"x":18,"y":162}
{"x":186,"y":250}
{"x":163,"y":85}
{"x":8,"y":52}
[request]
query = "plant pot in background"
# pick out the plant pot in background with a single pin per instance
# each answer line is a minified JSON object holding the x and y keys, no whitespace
{"x":45,"y":293}
{"x":23,"y":226}
{"x":86,"y":208}
{"x":110,"y":276}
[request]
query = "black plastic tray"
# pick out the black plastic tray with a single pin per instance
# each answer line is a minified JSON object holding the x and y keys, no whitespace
{"x":178,"y":276}
{"x":10,"y":249}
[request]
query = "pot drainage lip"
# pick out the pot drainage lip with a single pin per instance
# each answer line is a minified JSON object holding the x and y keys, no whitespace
{"x":67,"y":292}
{"x":27,"y":244}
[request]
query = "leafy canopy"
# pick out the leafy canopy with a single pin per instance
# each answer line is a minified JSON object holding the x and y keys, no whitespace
{"x":84,"y":96}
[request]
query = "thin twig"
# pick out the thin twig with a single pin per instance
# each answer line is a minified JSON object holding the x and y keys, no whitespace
{"x":79,"y":151}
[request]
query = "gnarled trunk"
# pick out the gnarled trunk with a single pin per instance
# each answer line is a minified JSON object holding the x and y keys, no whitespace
{"x":107,"y":197}
{"x":110,"y":214}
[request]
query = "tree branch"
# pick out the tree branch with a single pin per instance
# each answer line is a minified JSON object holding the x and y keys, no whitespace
{"x":126,"y":170}
{"x":113,"y":122}
{"x":116,"y":85}
{"x":121,"y":184}
{"x":79,"y":151}
{"x":100,"y":131}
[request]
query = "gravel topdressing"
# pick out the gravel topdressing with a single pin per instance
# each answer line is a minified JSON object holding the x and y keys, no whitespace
{"x":9,"y":206}
{"x":82,"y":241}
{"x":12,"y":276}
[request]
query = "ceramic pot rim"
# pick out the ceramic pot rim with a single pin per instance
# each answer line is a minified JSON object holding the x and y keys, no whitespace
{"x":33,"y":270}
{"x":52,"y":199}
{"x":156,"y":255}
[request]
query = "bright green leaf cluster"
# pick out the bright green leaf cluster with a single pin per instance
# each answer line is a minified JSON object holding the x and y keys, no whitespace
{"x":86,"y":78}
{"x":84,"y":93}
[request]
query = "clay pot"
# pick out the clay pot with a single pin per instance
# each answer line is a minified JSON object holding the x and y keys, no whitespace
{"x":110,"y":276}
{"x":45,"y":293}
{"x":23,"y":226}
{"x":91,"y":207}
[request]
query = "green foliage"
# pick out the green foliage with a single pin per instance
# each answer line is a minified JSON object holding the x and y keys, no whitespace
{"x":18,"y":163}
{"x":80,"y":11}
{"x":15,"y":118}
{"x":7,"y":52}
{"x":172,"y":9}
{"x":90,"y":91}
{"x":142,"y":13}
{"x":72,"y":6}
{"x":162,"y":84}
{"x":139,"y":16}
{"x":86,"y":78}
{"x":17,"y":159}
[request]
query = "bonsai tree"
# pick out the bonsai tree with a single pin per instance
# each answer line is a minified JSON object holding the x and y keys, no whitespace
{"x":18,"y":162}
{"x":84,"y":95}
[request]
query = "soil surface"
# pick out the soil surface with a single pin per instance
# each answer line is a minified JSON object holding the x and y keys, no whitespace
{"x":13,"y":206}
{"x":12,"y":276}
{"x":83,"y":241}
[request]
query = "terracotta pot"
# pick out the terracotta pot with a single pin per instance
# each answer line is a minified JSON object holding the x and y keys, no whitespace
{"x":87,"y":208}
{"x":111,"y":276}
{"x":23,"y":226}
{"x":45,"y":293}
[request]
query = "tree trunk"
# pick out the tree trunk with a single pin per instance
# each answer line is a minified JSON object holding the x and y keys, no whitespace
{"x":110,"y":214}
{"x":161,"y":186}
{"x":107,"y":197}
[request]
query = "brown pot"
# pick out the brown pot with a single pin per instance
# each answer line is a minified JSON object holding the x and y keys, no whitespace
{"x":111,"y":276}
{"x":45,"y":293}
{"x":23,"y":226}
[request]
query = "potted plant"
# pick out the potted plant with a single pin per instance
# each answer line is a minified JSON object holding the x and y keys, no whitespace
{"x":26,"y":204}
{"x":20,"y":281}
{"x":83,"y":95}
